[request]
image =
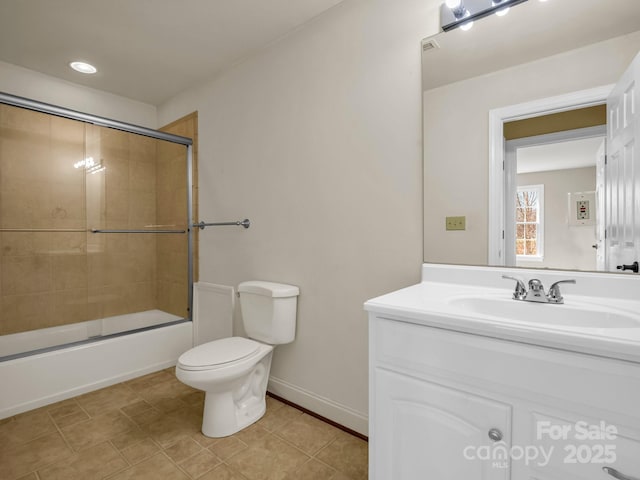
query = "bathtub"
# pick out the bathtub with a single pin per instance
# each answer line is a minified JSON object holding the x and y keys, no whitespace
{"x":18,"y":343}
{"x":88,"y":361}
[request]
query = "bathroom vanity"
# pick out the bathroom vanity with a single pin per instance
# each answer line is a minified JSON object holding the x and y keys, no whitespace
{"x":468,"y":383}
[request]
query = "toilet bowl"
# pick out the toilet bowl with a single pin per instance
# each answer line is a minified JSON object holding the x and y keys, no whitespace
{"x":234,"y":372}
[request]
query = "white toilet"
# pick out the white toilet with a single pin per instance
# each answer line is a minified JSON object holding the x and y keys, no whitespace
{"x":234,"y":371}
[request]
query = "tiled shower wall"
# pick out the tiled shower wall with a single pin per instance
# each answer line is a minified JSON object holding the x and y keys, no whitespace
{"x":171,"y":249}
{"x":55,"y":278}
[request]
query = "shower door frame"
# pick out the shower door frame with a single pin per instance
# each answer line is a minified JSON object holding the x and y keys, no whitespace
{"x":22,"y":102}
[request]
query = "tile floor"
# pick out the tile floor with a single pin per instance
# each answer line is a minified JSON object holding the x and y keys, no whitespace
{"x":149,"y":428}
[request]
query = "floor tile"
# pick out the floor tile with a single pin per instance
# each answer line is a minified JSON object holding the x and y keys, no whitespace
{"x":348,"y":455}
{"x":68,"y":415}
{"x":107,"y":399}
{"x":251,"y":434}
{"x":227,"y":447}
{"x":136,"y":408}
{"x":25,"y":427}
{"x":129,"y":438}
{"x":268,"y":459}
{"x":6,"y":420}
{"x":155,"y":468}
{"x":200,"y":463}
{"x":223,"y":472}
{"x":167,"y":390}
{"x":19,"y":460}
{"x":150,"y":380}
{"x":168,"y":429}
{"x":308,"y":433}
{"x":273,"y":404}
{"x":312,"y":470}
{"x":183,"y":449}
{"x":31,"y":476}
{"x":140,"y":451}
{"x":148,"y":416}
{"x":276,"y":419}
{"x":94,"y":462}
{"x":97,"y":430}
{"x":150,"y":428}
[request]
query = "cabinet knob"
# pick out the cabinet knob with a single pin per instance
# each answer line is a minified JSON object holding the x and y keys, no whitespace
{"x":495,"y":435}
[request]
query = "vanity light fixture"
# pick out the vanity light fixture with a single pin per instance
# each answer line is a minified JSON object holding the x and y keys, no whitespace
{"x":503,"y":11}
{"x":462,"y":13}
{"x":83,"y":67}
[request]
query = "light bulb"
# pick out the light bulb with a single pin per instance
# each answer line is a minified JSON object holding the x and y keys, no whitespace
{"x":502,"y":12}
{"x":466,"y":26}
{"x":453,"y":4}
{"x":83,"y":67}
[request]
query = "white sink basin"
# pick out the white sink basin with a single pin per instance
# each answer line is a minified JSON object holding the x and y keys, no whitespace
{"x":578,"y":315}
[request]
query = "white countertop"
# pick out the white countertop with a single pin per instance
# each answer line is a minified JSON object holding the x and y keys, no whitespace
{"x":430,"y":303}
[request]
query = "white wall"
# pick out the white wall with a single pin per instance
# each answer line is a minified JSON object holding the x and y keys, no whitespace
{"x":565,"y":246}
{"x":456,"y":141}
{"x":44,"y":88}
{"x":318,"y":141}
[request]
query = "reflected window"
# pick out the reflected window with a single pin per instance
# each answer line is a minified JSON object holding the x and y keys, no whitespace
{"x":530,"y":222}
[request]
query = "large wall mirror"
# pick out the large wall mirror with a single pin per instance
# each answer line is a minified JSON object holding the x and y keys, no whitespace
{"x":519,"y":140}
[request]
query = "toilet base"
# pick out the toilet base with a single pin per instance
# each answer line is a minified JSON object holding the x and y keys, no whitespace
{"x":222,"y":418}
{"x":228,"y":412}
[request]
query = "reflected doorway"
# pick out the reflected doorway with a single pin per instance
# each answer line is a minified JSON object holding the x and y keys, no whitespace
{"x":552,"y":186}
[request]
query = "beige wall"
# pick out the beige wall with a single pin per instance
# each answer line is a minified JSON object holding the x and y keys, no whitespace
{"x":566,"y":247}
{"x":317,"y":140}
{"x":456,"y":146}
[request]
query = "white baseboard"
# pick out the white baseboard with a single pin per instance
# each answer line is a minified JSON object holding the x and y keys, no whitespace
{"x":324,"y":407}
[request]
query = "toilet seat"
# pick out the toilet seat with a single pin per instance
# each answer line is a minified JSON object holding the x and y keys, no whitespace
{"x":218,"y":353}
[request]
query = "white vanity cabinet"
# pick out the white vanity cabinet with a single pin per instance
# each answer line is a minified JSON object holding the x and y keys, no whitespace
{"x":453,"y":405}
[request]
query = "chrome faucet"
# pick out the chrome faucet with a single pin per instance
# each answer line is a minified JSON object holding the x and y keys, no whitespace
{"x":535,"y":293}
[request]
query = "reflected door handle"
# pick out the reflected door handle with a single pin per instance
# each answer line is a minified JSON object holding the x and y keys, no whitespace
{"x":634,"y":267}
{"x":616,"y":474}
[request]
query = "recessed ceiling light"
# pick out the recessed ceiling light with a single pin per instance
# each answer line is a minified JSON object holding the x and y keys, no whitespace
{"x":83,"y":67}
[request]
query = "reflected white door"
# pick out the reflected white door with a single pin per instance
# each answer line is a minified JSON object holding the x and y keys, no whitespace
{"x":623,"y":172}
{"x":600,"y":208}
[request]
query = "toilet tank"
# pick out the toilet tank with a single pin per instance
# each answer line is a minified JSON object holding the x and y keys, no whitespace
{"x":269,"y":311}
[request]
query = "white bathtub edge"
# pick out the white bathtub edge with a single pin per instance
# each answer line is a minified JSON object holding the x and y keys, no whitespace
{"x":46,"y":378}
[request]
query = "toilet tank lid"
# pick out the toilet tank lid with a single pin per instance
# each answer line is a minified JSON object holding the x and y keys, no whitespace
{"x":268,"y":289}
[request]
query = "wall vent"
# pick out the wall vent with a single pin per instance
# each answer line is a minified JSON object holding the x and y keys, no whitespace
{"x":430,"y":45}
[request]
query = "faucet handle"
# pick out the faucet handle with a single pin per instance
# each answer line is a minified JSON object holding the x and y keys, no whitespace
{"x":554,"y":294}
{"x":521,"y":289}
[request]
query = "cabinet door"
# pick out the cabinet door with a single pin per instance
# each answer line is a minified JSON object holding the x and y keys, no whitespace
{"x":423,"y":430}
{"x":581,"y":448}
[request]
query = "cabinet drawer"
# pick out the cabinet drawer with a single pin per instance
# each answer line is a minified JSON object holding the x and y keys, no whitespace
{"x":608,"y":387}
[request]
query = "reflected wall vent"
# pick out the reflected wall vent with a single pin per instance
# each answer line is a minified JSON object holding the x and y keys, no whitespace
{"x":430,"y":45}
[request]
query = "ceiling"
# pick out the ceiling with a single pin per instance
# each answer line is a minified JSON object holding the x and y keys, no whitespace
{"x":534,"y":30}
{"x":148,"y":50}
{"x":559,"y":156}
